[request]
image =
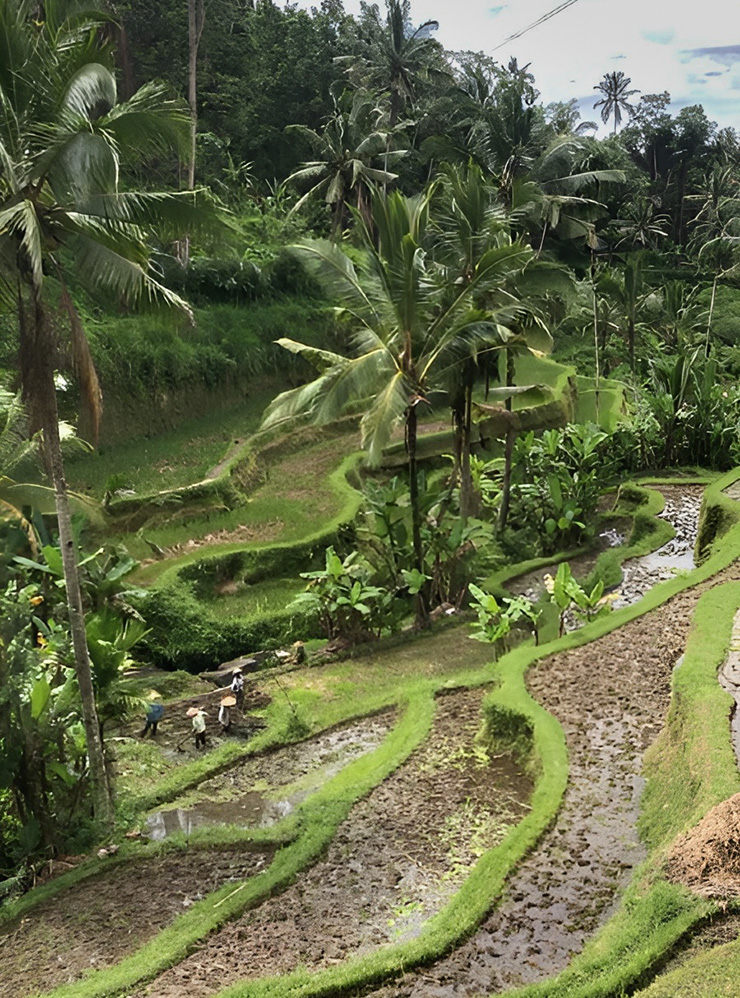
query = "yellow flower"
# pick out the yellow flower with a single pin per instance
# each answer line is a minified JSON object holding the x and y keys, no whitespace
{"x":35,"y":600}
{"x":41,"y":640}
{"x":549,"y":583}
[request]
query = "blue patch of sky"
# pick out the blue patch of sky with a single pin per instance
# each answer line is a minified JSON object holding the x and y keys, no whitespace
{"x":659,"y":37}
{"x":726,"y":55}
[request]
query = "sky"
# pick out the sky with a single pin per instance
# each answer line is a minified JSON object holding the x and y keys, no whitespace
{"x":690,"y":49}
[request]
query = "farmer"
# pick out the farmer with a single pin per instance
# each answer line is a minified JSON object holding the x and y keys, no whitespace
{"x":154,"y":714}
{"x":237,"y":688}
{"x":199,"y":726}
{"x":224,"y":714}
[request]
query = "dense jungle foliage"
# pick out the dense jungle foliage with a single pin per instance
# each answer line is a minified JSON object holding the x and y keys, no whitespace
{"x":313,"y":192}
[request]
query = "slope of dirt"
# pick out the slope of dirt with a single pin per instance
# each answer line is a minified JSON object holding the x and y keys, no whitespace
{"x":98,"y":922}
{"x":395,"y":861}
{"x":707,"y":859}
{"x":611,"y":697}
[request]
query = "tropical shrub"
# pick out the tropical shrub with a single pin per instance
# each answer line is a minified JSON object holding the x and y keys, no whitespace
{"x":343,"y":596}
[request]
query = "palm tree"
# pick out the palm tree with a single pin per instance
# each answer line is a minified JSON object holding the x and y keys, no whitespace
{"x":614,"y":88}
{"x":473,"y":224}
{"x":397,"y":58}
{"x":62,"y":212}
{"x":351,"y":140}
{"x":408,"y":325}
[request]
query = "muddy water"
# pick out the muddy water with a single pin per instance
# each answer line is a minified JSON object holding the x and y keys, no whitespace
{"x":284,"y":778}
{"x":682,"y":508}
{"x":396,"y":860}
{"x":532,"y":584}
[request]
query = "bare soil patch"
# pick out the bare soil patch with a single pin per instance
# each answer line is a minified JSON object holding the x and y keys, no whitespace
{"x":394,"y":862}
{"x":103,"y":919}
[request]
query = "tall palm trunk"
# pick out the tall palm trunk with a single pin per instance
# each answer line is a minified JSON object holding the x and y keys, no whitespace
{"x":37,"y":371}
{"x":422,"y":615}
{"x":503,"y":512}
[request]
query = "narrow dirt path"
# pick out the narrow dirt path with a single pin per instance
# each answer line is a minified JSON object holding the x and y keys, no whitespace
{"x":395,"y":861}
{"x":611,"y":697}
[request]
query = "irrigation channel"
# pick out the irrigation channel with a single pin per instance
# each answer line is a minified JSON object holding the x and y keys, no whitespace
{"x":406,"y":848}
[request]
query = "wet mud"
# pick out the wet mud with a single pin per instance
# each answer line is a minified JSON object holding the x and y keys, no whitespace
{"x":103,"y":919}
{"x":611,"y":697}
{"x":397,"y":859}
{"x":262,"y":790}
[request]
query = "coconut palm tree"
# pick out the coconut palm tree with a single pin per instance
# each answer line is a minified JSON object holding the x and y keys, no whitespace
{"x":62,"y":213}
{"x":397,"y":57}
{"x":352,"y":139}
{"x":614,"y":88}
{"x":472,"y":223}
{"x":409,"y":326}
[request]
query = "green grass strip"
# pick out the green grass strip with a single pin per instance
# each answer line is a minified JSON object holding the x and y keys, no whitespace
{"x":159,"y":573}
{"x":319,"y":817}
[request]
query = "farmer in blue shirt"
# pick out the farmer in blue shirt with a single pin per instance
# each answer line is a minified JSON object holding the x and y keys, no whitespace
{"x":154,"y":714}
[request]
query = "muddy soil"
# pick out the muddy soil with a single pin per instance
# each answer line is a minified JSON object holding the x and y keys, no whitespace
{"x":395,"y":861}
{"x":102,"y":920}
{"x":261,"y":790}
{"x":611,"y":697}
{"x":175,"y":731}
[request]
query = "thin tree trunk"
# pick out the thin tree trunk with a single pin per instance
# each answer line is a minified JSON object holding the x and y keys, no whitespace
{"x":597,"y":382}
{"x":467,"y":496}
{"x":711,"y":313}
{"x":503,"y":512}
{"x":40,"y":388}
{"x":196,"y":21}
{"x":422,"y":616}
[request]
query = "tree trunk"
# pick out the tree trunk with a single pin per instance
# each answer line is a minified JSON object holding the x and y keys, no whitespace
{"x":468,"y":505}
{"x":503,"y":512}
{"x":196,"y":20}
{"x":422,"y":616}
{"x":707,"y":343}
{"x":39,"y":387}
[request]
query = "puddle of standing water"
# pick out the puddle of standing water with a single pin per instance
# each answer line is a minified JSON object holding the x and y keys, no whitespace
{"x":291,"y":774}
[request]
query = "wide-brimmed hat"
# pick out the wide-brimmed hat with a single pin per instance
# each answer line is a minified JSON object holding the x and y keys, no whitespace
{"x":153,"y":695}
{"x":228,"y":701}
{"x":192,"y":711}
{"x":237,"y":671}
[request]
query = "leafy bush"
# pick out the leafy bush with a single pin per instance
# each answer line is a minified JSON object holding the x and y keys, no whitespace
{"x":183,"y":634}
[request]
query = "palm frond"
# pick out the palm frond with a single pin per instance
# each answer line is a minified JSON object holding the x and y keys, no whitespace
{"x":91,"y":91}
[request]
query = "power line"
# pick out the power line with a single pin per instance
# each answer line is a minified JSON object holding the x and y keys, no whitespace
{"x":534,"y":24}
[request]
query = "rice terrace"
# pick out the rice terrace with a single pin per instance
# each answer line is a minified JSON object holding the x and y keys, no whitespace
{"x":370,"y":534}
